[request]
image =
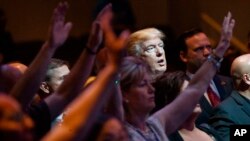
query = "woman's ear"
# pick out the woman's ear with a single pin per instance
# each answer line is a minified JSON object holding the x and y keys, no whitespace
{"x":125,"y":97}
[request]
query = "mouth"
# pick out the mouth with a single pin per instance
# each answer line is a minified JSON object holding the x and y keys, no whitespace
{"x":152,"y":98}
{"x":161,"y":62}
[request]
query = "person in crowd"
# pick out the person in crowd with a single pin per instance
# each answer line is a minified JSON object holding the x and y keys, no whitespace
{"x":27,"y":86}
{"x":55,"y":75}
{"x":167,"y":88}
{"x":148,"y":44}
{"x":10,"y":73}
{"x":234,"y":109}
{"x":9,"y":76}
{"x":20,"y":66}
{"x":83,"y":112}
{"x":14,"y":124}
{"x":55,"y":104}
{"x":138,"y":93}
{"x":194,"y":48}
{"x":29,"y":83}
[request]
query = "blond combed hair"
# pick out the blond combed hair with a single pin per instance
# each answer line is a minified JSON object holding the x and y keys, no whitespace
{"x":135,"y":40}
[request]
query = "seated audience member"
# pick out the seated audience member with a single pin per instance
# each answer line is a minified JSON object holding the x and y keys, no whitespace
{"x":14,"y":124}
{"x":168,"y":87}
{"x":55,"y":75}
{"x":148,"y":44}
{"x":29,"y":83}
{"x":57,"y":71}
{"x":21,"y":67}
{"x":27,"y":86}
{"x":138,"y":94}
{"x":108,"y":128}
{"x":10,"y":73}
{"x":235,"y":109}
{"x":9,"y":76}
{"x":83,"y":112}
{"x":194,"y":48}
{"x":53,"y":105}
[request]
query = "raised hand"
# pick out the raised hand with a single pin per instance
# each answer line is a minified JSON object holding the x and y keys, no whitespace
{"x":96,"y":34}
{"x":114,"y":44}
{"x":226,"y":35}
{"x":95,"y":37}
{"x":227,"y":27}
{"x":59,"y":30}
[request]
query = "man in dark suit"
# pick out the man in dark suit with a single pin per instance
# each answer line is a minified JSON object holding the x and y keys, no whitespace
{"x":194,"y":49}
{"x":236,"y":108}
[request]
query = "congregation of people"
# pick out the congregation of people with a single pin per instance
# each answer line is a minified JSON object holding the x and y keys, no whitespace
{"x":120,"y":89}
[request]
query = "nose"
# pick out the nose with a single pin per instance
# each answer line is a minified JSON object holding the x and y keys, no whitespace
{"x":206,"y":51}
{"x":159,"y":51}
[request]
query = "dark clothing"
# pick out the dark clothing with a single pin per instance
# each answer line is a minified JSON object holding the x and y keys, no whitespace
{"x":204,"y":127}
{"x":224,"y":86}
{"x":40,"y":114}
{"x":234,"y":110}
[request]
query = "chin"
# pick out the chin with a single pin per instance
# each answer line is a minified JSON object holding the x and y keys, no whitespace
{"x":161,"y":70}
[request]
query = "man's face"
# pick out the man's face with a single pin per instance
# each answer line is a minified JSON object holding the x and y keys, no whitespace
{"x":57,"y":76}
{"x":198,"y":49}
{"x":153,"y":53}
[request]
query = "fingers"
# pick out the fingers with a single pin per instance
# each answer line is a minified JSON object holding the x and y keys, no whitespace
{"x":68,"y":26}
{"x":106,"y":25}
{"x":228,"y":25}
{"x":123,"y":37}
{"x":96,"y":28}
{"x":232,"y":23}
{"x":107,"y":8}
{"x":60,"y":12}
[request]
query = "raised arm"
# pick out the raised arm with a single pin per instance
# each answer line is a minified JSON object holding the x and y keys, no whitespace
{"x":27,"y":86}
{"x":83,"y":111}
{"x":72,"y":85}
{"x":176,"y":112}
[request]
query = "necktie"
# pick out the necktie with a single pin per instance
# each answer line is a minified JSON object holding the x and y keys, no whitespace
{"x":214,"y":99}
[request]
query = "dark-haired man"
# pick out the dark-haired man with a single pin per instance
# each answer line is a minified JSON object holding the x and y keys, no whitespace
{"x":194,"y":48}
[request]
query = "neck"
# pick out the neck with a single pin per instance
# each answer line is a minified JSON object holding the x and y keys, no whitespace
{"x":191,"y":69}
{"x":245,"y":93}
{"x":157,"y":74}
{"x":137,"y":120}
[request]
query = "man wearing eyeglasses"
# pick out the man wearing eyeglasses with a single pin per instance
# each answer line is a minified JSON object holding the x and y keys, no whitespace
{"x":194,"y":49}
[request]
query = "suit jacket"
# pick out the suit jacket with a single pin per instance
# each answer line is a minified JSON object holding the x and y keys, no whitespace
{"x":234,"y":110}
{"x":224,"y":86}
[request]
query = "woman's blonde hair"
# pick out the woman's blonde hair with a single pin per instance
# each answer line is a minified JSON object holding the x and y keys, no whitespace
{"x":132,"y":71}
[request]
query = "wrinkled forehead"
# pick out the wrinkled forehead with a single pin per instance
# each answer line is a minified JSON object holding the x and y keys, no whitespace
{"x":153,"y":41}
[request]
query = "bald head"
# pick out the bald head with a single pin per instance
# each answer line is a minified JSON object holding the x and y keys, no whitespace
{"x":240,"y":69}
{"x":9,"y":76}
{"x":21,"y":67}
